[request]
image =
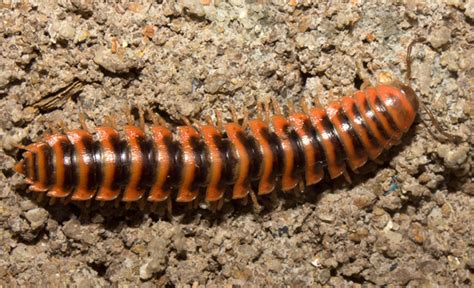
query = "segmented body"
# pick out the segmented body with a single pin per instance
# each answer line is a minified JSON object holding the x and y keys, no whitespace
{"x":275,"y":155}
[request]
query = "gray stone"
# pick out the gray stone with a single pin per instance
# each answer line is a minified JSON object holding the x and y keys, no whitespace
{"x":37,"y":217}
{"x":114,"y":62}
{"x":72,"y":229}
{"x":440,"y":37}
{"x":469,"y":12}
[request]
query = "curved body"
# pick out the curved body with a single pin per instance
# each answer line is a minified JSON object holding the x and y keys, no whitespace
{"x":276,"y":155}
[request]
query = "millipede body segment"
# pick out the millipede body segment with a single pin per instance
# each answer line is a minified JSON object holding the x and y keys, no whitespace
{"x":275,"y":154}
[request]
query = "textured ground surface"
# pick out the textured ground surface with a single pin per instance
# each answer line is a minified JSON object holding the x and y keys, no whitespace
{"x":410,"y":221}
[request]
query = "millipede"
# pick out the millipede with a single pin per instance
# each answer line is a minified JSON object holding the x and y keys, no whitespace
{"x":214,"y":160}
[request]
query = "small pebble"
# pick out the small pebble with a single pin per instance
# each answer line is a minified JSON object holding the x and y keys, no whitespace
{"x":37,"y":217}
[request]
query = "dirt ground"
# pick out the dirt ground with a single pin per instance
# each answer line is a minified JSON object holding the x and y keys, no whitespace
{"x":409,"y":221}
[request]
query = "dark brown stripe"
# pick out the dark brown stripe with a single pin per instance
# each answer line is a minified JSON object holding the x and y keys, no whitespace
{"x":226,"y":168}
{"x":255,"y":155}
{"x":200,"y":152}
{"x":176,"y":163}
{"x":122,"y":156}
{"x":89,"y":151}
{"x":347,"y":127}
{"x":35,"y":170}
{"x":277,"y":151}
{"x":73,"y":168}
{"x":147,"y":174}
{"x":382,"y":109}
{"x":374,"y":118}
{"x":69,"y":165}
{"x":49,"y":169}
{"x":226,"y":148}
{"x":97,"y":156}
{"x":298,"y":149}
{"x":118,"y":147}
{"x":316,"y":142}
{"x":334,"y":138}
{"x":372,"y":139}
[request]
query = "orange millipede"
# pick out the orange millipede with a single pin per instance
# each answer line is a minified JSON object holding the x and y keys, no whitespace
{"x":278,"y":152}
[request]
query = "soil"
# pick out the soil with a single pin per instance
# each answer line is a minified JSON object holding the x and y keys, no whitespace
{"x":407,"y":221}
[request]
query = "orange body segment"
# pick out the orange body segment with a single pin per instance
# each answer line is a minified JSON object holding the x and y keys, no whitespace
{"x":371,"y":146}
{"x":267,"y":178}
{"x":108,"y":138}
{"x":214,"y":190}
{"x":313,"y":156}
{"x":82,"y":141}
{"x":382,"y":116}
{"x":161,"y":139}
{"x":319,"y":119}
{"x":186,"y":191}
{"x":288,"y":179}
{"x":133,"y":191}
{"x":350,"y":141}
{"x":398,"y":106}
{"x":59,"y":143}
{"x":241,"y":184}
{"x":372,"y":124}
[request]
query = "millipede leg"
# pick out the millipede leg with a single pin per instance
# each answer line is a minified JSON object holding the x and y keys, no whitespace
{"x":219,"y":122}
{"x":141,"y":116}
{"x":304,"y":105}
{"x":189,"y":206}
{"x":128,"y":114}
{"x":153,"y":206}
{"x":186,"y":121}
{"x":363,"y":75}
{"x":40,"y":197}
{"x":259,"y":110}
{"x":276,"y":107}
{"x":155,"y":118}
{"x":212,"y":206}
{"x":117,"y":202}
{"x":245,"y":122}
{"x":169,"y":206}
{"x":128,"y":205}
{"x":159,"y":208}
{"x":52,"y":201}
{"x":319,"y":93}
{"x":266,"y":109}
{"x":331,"y":96}
{"x":256,"y":205}
{"x":291,"y":107}
{"x":378,"y":161}
{"x":347,"y":176}
{"x":82,"y":120}
{"x":245,"y":200}
{"x":110,"y":121}
{"x":142,"y":204}
{"x":220,"y":203}
{"x":274,"y":197}
{"x":209,"y":120}
{"x":88,"y":203}
{"x":301,"y":186}
{"x":64,"y":201}
{"x":297,"y":192}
